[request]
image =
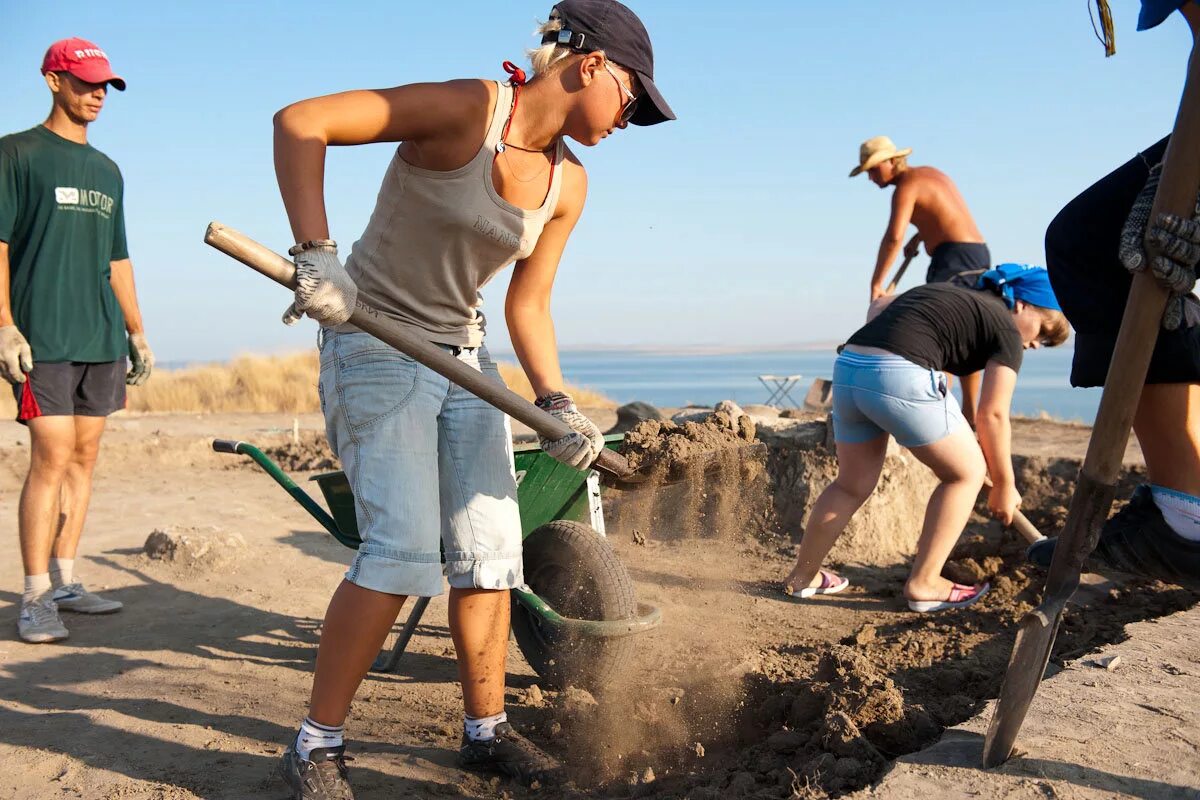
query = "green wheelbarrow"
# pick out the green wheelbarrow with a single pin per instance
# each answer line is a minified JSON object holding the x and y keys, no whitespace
{"x":576,"y":624}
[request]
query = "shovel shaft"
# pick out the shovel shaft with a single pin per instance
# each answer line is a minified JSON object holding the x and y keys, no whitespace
{"x":366,"y":318}
{"x":1097,"y":479}
{"x":903,"y":265}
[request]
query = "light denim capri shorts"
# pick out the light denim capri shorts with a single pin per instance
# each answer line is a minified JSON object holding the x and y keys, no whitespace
{"x":878,"y":394}
{"x":429,"y":463}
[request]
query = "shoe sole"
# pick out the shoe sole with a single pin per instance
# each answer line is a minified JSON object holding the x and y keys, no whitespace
{"x":90,"y":611}
{"x":42,"y":638}
{"x":937,"y":606}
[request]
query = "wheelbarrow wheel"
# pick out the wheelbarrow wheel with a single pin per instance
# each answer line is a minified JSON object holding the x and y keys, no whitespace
{"x":575,"y":570}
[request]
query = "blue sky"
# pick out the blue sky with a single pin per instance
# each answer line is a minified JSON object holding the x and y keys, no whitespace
{"x":735,"y":225}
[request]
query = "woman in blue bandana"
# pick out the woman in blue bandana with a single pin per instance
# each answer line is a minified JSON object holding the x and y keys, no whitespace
{"x":890,"y":379}
{"x":1093,"y":248}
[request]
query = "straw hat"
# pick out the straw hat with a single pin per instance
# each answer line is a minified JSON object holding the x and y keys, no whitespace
{"x":876,"y":151}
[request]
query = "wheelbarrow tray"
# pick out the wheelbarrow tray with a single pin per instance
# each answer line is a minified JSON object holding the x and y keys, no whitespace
{"x":547,"y":490}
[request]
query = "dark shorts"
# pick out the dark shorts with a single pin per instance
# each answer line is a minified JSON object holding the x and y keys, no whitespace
{"x":951,"y":259}
{"x":1092,"y":286}
{"x":71,"y":388}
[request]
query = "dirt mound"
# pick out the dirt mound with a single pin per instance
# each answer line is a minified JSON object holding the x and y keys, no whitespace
{"x":310,"y":453}
{"x":704,"y":482}
{"x":662,"y":447}
{"x":801,"y":463}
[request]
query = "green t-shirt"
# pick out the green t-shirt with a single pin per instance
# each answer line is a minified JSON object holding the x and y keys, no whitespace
{"x":61,"y":213}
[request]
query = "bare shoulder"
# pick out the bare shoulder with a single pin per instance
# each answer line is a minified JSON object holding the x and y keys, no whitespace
{"x":464,"y":99}
{"x":573,"y":193}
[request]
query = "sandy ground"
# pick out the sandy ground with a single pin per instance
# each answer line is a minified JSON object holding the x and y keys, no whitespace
{"x":192,"y":691}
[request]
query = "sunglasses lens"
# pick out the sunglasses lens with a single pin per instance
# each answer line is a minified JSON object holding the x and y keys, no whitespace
{"x":630,"y":110}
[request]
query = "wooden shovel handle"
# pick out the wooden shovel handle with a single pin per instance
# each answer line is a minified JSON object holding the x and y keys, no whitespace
{"x":1021,"y":523}
{"x":365,"y":317}
{"x":903,"y":265}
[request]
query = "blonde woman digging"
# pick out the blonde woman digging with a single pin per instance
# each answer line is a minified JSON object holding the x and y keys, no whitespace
{"x":889,"y":380}
{"x":482,"y":179}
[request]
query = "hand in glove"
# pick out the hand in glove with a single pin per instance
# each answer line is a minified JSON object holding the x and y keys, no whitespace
{"x":578,"y":449}
{"x":141,"y":360}
{"x":15,"y":356}
{"x":1178,"y":240}
{"x":324,"y":291}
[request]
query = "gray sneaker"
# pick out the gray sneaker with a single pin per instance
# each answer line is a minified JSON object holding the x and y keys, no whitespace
{"x":73,"y":597}
{"x":39,"y":620}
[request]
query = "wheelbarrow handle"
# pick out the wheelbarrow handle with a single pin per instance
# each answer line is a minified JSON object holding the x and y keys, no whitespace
{"x":367,"y":318}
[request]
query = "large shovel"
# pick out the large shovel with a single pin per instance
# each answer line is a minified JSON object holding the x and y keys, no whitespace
{"x":1097,"y":478}
{"x":366,"y":318}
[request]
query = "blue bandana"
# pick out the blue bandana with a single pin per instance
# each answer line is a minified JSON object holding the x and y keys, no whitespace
{"x":1015,"y":282}
{"x":1154,"y":12}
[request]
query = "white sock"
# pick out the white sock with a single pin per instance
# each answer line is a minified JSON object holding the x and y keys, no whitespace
{"x":314,"y":736}
{"x":1181,"y":511}
{"x":483,"y":727}
{"x":62,"y":571}
{"x":35,"y":586}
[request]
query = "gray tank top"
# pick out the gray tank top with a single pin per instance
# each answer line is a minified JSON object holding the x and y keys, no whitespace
{"x":435,"y":238}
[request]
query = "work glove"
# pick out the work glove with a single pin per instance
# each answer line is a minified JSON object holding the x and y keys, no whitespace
{"x":324,"y":290}
{"x":578,"y":449}
{"x":1178,"y":240}
{"x":141,"y":360}
{"x":15,"y":356}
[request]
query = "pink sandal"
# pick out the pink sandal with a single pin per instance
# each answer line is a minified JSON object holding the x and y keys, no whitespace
{"x":960,"y":597}
{"x":831,"y":583}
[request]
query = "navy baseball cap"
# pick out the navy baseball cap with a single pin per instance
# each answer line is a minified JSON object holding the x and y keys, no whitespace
{"x":591,"y":25}
{"x":1155,"y":12}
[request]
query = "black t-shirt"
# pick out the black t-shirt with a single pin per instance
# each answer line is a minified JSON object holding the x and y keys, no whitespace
{"x":946,"y":327}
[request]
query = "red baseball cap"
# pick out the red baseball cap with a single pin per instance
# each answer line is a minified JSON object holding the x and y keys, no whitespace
{"x":83,"y":59}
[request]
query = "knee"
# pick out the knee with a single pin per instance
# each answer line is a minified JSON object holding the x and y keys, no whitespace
{"x":51,"y":460}
{"x":85,"y":454}
{"x":856,"y":488}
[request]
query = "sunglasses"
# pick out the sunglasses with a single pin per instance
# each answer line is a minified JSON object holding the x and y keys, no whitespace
{"x":629,"y":107}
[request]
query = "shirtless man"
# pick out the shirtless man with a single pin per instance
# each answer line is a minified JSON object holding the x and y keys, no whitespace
{"x":927,"y":198}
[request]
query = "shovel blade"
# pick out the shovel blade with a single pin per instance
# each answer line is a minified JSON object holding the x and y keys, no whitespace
{"x":1026,"y":666}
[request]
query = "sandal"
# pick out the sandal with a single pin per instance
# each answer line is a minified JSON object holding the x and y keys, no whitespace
{"x":831,"y":583}
{"x":960,"y":597}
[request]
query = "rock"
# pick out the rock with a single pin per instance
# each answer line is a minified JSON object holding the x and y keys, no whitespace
{"x":577,"y":701}
{"x":786,"y":741}
{"x":534,"y":696}
{"x":759,"y":410}
{"x":631,"y":414}
{"x":639,"y":538}
{"x":197,"y":547}
{"x":731,"y":408}
{"x":648,"y":775}
{"x":1110,"y":662}
{"x":742,"y":783}
{"x":699,"y":750}
{"x":691,"y":414}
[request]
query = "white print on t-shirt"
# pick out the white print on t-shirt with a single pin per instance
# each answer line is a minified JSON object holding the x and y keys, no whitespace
{"x":70,"y":198}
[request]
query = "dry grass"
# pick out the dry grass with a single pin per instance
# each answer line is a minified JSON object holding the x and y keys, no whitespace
{"x":284,"y":384}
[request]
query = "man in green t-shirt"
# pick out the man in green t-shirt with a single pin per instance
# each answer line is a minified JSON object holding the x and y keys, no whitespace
{"x":67,"y":301}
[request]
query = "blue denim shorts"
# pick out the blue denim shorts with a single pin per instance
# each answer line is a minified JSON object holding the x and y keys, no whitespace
{"x":430,"y":465}
{"x":878,"y":394}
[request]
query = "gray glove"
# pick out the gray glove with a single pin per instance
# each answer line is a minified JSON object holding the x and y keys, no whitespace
{"x":141,"y":360}
{"x":324,"y":291}
{"x":1178,"y":240}
{"x":15,"y":356}
{"x":580,"y":448}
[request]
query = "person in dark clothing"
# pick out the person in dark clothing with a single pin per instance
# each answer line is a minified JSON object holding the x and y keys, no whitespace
{"x":890,"y":379}
{"x":1093,"y":248}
